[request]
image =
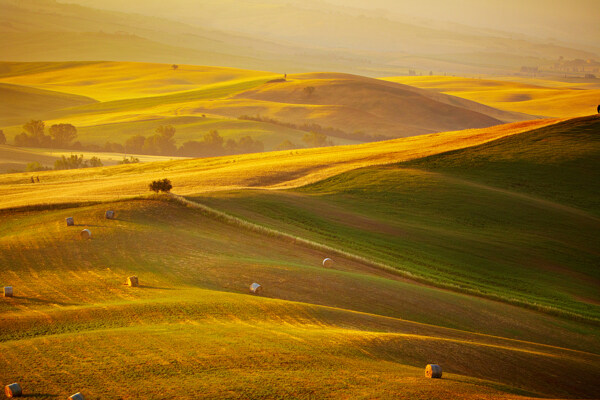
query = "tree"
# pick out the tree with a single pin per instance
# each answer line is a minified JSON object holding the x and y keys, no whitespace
{"x":2,"y":137}
{"x":174,"y":66}
{"x":35,"y":128}
{"x":163,"y":185}
{"x":315,"y":139}
{"x":309,"y":90}
{"x":63,"y":134}
{"x":213,"y":143}
{"x":248,"y":145}
{"x":162,"y":142}
{"x":34,"y":135}
{"x":135,"y":144}
{"x":72,"y":162}
{"x":95,"y":162}
{"x":286,"y":145}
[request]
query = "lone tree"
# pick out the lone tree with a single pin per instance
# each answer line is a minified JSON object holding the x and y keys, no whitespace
{"x":174,"y":66}
{"x":163,"y":185}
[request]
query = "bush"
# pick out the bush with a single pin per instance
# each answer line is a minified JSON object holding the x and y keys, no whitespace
{"x":163,"y":185}
{"x":130,"y":160}
{"x":95,"y":162}
{"x":35,"y":166}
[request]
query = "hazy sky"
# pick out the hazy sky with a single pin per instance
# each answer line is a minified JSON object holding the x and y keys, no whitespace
{"x":545,"y":18}
{"x":574,"y":21}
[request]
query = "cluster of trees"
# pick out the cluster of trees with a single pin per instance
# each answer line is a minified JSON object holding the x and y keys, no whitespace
{"x":34,"y":135}
{"x":74,"y":162}
{"x":162,"y":143}
{"x":71,"y":162}
{"x":213,"y":144}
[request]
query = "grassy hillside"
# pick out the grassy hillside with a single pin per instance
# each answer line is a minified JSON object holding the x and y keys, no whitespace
{"x":282,"y":169}
{"x":201,"y":330}
{"x":559,"y":162}
{"x":25,"y":102}
{"x":574,"y":98}
{"x":515,"y":207}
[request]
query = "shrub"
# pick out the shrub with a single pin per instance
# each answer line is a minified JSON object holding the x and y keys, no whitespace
{"x":163,"y":185}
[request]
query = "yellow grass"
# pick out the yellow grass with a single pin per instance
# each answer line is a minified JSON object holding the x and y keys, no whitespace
{"x":529,"y":96}
{"x":275,"y":170}
{"x":122,"y":80}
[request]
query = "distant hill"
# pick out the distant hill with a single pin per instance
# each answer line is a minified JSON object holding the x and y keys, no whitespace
{"x":541,"y":97}
{"x":291,"y":37}
{"x":117,"y":100}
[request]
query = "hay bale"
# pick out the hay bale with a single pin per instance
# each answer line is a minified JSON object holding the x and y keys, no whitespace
{"x":255,"y":288}
{"x":70,"y":221}
{"x":8,"y":291}
{"x":433,"y":371}
{"x":328,"y":263}
{"x":77,"y":396}
{"x":133,"y":281}
{"x":85,"y":234}
{"x":110,"y":214}
{"x":13,"y":390}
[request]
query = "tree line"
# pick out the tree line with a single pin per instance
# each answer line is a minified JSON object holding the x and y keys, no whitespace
{"x":316,"y":128}
{"x":162,"y":142}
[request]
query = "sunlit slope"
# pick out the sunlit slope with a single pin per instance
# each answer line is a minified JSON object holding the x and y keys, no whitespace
{"x":202,"y":331}
{"x":106,"y":81}
{"x":272,"y":170}
{"x":20,"y":102}
{"x":559,"y":162}
{"x":544,"y":98}
{"x":524,"y":207}
{"x":352,"y":103}
{"x":16,"y":158}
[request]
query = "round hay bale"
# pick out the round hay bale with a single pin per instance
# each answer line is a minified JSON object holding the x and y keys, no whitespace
{"x":85,"y":234}
{"x":8,"y":291}
{"x":13,"y":390}
{"x":255,"y":288}
{"x":133,"y":281}
{"x":70,"y":221}
{"x":77,"y":396}
{"x":433,"y":371}
{"x":110,"y":214}
{"x":328,"y":263}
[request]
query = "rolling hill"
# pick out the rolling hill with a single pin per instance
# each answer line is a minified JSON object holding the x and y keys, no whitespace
{"x":433,"y":263}
{"x":542,"y":97}
{"x":112,"y":101}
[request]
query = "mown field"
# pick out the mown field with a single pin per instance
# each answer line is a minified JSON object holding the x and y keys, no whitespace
{"x":193,"y":330}
{"x":442,"y":256}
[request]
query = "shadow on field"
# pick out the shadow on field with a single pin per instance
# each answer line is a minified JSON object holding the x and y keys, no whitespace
{"x":44,"y":395}
{"x":43,"y":301}
{"x":494,"y":385}
{"x":155,"y":287}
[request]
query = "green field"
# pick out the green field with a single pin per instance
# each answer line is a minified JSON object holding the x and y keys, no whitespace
{"x":313,"y":333}
{"x":474,"y":249}
{"x":459,"y":219}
